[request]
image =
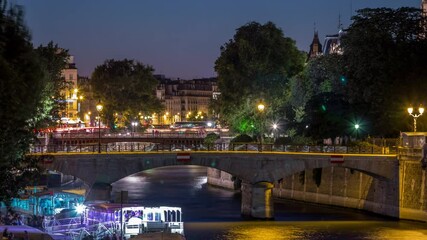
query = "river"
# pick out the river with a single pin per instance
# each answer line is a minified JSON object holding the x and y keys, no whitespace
{"x":214,"y":213}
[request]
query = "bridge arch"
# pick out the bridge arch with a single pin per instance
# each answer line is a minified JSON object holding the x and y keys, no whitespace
{"x":258,"y":171}
{"x":251,"y":167}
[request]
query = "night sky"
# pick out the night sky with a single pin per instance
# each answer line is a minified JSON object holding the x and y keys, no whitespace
{"x":179,"y":38}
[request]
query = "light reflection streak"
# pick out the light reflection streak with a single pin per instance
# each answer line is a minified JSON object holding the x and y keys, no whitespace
{"x":134,"y":179}
{"x":273,"y":232}
{"x":199,"y":182}
{"x":316,"y":230}
{"x":399,"y":234}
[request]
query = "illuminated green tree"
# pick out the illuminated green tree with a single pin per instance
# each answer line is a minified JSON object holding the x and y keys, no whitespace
{"x":54,"y":60}
{"x":255,"y":66}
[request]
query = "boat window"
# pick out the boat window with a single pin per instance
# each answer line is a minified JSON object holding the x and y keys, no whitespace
{"x":150,"y":216}
{"x":132,"y":226}
{"x":157,"y":216}
{"x":173,"y":216}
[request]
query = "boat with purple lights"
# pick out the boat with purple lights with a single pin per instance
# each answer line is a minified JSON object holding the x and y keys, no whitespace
{"x":118,"y":220}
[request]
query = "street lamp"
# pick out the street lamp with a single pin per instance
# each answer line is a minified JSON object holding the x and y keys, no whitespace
{"x":274,"y":130}
{"x":261,"y":108}
{"x":99,"y":109}
{"x":357,"y":126}
{"x":134,"y":124}
{"x":415,"y":116}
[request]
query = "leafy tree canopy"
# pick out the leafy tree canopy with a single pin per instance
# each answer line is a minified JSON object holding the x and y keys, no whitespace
{"x":255,"y":66}
{"x":22,"y":101}
{"x":127,"y":87}
{"x":54,"y":60}
{"x":321,"y":83}
{"x":386,"y":66}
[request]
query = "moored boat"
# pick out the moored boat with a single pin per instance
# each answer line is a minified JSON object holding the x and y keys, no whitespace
{"x":114,"y":220}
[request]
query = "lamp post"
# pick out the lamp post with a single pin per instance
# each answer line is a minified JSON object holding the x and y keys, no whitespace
{"x":274,"y":131}
{"x":134,"y":125}
{"x":415,"y":116}
{"x":99,"y":109}
{"x":357,"y":126}
{"x":261,"y":108}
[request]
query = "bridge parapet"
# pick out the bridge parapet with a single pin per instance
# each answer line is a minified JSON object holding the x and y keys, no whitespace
{"x":245,"y":147}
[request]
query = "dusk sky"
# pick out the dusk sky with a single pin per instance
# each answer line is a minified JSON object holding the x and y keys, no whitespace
{"x":179,"y":38}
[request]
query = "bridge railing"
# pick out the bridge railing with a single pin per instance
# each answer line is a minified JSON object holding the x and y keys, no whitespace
{"x":129,"y":135}
{"x":410,"y":152}
{"x":246,"y":147}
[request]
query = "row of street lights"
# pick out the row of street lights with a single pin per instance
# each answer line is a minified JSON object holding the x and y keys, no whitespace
{"x":261,"y":108}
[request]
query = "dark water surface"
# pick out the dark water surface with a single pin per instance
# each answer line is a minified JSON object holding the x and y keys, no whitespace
{"x":214,"y":213}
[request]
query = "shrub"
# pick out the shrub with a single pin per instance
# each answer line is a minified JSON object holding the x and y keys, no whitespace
{"x":211,"y":138}
{"x":243,"y":138}
{"x":283,"y":140}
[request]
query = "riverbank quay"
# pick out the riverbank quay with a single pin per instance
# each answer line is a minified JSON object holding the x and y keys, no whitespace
{"x":402,"y":198}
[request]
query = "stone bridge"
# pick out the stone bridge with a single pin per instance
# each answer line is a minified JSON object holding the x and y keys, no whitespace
{"x":258,"y":171}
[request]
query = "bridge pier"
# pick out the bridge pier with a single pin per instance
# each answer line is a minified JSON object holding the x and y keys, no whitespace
{"x":257,"y":200}
{"x":99,"y":192}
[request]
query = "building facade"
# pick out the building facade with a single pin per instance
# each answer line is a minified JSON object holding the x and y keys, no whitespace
{"x":424,"y":7}
{"x":182,"y":98}
{"x":332,"y":44}
{"x":315,"y":47}
{"x":71,"y":93}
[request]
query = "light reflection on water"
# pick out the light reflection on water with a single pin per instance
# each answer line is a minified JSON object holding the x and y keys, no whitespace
{"x":321,"y":230}
{"x":214,"y":213}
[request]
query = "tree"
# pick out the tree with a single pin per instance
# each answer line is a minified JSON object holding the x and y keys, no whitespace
{"x":211,"y":138}
{"x":255,"y":66}
{"x":329,"y":116}
{"x":317,"y":98}
{"x":54,"y":60}
{"x":126,"y":87}
{"x":22,"y":98}
{"x":386,"y":66}
{"x":196,"y":116}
